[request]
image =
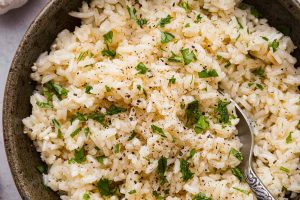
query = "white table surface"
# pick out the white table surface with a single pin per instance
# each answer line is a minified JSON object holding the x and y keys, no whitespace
{"x":12,"y":27}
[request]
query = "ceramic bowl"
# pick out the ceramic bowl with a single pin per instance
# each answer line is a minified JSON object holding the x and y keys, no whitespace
{"x":22,"y":155}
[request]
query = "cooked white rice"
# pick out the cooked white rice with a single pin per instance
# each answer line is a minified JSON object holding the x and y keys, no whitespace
{"x":253,"y":64}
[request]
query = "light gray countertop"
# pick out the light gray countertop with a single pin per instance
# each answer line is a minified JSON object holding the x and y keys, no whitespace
{"x":12,"y":27}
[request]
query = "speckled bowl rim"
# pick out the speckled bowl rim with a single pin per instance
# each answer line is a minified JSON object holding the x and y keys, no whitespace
{"x":293,"y":6}
{"x":10,"y":148}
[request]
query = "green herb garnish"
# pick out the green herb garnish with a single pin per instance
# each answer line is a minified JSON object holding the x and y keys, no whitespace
{"x":141,"y":68}
{"x":208,"y":73}
{"x":117,"y":148}
{"x":109,"y":53}
{"x":158,"y":130}
{"x":201,"y":196}
{"x":108,"y":37}
{"x":259,"y":72}
{"x":56,"y":89}
{"x":88,"y":89}
{"x":175,"y":58}
{"x":239,"y":23}
{"x":79,"y":156}
{"x":99,"y":117}
{"x":132,"y":12}
{"x":106,"y":187}
{"x":256,"y":12}
{"x":164,"y":21}
{"x":264,"y":38}
{"x":192,"y":113}
{"x":236,"y":154}
{"x":44,"y":104}
{"x":161,"y":169}
{"x":78,"y":116}
{"x":237,"y":172}
{"x":201,"y":125}
{"x":274,"y":45}
{"x":132,"y":192}
{"x":184,"y":5}
{"x":192,"y":153}
{"x":188,"y":56}
{"x":259,"y":86}
{"x":172,"y":80}
{"x":166,"y":37}
{"x":57,"y":127}
{"x":141,"y":22}
{"x":222,"y":112}
{"x":86,"y":196}
{"x":286,"y":170}
{"x":100,"y":159}
{"x":41,"y":168}
{"x":113,"y":110}
{"x":241,"y":190}
{"x":133,"y":134}
{"x":198,"y":18}
{"x":76,"y":132}
{"x":185,"y":171}
{"x":86,"y":131}
{"x":289,"y":138}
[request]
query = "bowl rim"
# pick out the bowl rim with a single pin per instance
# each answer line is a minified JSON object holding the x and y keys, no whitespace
{"x":293,"y":6}
{"x":9,"y":146}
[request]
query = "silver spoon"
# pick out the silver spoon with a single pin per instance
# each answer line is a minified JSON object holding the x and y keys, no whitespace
{"x":246,"y":136}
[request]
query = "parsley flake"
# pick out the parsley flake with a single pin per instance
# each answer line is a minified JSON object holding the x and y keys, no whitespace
{"x":259,"y":72}
{"x":222,"y":112}
{"x":208,"y":73}
{"x":201,"y":125}
{"x":274,"y":45}
{"x":188,"y":56}
{"x":106,"y":187}
{"x":141,"y":68}
{"x":184,"y":5}
{"x":237,"y":173}
{"x":113,"y":110}
{"x":166,"y":37}
{"x":141,"y":22}
{"x":256,"y":12}
{"x":88,"y":89}
{"x":172,"y":80}
{"x":289,"y":138}
{"x":198,"y":18}
{"x":79,"y":156}
{"x":76,"y":132}
{"x":164,"y":21}
{"x":109,"y":53}
{"x":161,"y":169}
{"x":133,"y":134}
{"x":44,"y":104}
{"x":241,"y":190}
{"x":158,"y":130}
{"x":201,"y":196}
{"x":286,"y":170}
{"x":185,"y":171}
{"x":108,"y":37}
{"x":175,"y":58}
{"x":236,"y":154}
{"x":86,"y":196}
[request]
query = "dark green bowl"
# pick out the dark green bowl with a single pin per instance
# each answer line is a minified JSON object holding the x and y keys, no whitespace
{"x":21,"y":153}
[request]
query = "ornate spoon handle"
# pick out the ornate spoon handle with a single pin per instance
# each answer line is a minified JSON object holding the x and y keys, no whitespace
{"x":261,"y":192}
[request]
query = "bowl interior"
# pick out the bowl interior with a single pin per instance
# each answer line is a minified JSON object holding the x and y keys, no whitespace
{"x":21,"y":152}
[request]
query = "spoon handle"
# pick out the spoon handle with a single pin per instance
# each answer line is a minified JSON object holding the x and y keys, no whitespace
{"x":261,"y":192}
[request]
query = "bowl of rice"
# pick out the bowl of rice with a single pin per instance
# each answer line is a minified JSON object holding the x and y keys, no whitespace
{"x":111,"y":99}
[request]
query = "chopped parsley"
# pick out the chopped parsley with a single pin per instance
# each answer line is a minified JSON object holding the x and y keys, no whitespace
{"x":289,"y":138}
{"x":117,"y":148}
{"x":106,"y":187}
{"x":202,"y":124}
{"x":188,"y":56}
{"x":41,"y":168}
{"x":56,"y":89}
{"x":88,"y":89}
{"x":228,"y":63}
{"x":86,"y":131}
{"x":108,"y":37}
{"x":108,"y":89}
{"x":99,"y":117}
{"x":113,"y":110}
{"x":192,"y":113}
{"x":158,"y":130}
{"x":172,"y":80}
{"x":264,"y":38}
{"x":192,"y":153}
{"x":76,"y":132}
{"x":83,"y":55}
{"x":166,"y":37}
{"x":141,"y":22}
{"x":164,"y":21}
{"x":175,"y":58}
{"x":259,"y":86}
{"x":259,"y":72}
{"x":109,"y":53}
{"x":133,"y":134}
{"x":236,"y":154}
{"x":79,"y":156}
{"x":86,"y":196}
{"x":237,"y":173}
{"x":256,"y":12}
{"x":239,"y":23}
{"x":100,"y":159}
{"x":132,"y":192}
{"x":198,"y":18}
{"x":141,"y":68}
{"x":139,"y":87}
{"x":286,"y":170}
{"x":274,"y":45}
{"x":184,"y":5}
{"x":161,"y":169}
{"x":185,"y":171}
{"x":44,"y":104}
{"x":208,"y":73}
{"x":222,"y":111}
{"x":219,"y":57}
{"x":187,"y":25}
{"x":132,"y":12}
{"x":57,"y":127}
{"x":241,"y":190}
{"x":78,"y":116}
{"x":201,"y":196}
